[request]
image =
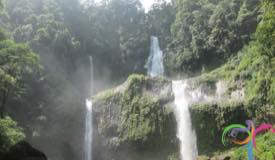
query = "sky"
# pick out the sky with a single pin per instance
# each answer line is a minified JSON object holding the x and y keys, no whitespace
{"x":146,"y":3}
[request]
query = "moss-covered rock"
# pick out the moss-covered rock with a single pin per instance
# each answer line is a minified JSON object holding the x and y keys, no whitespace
{"x":135,"y":121}
{"x":209,"y":120}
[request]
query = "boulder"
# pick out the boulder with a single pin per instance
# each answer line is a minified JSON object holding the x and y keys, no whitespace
{"x":23,"y":151}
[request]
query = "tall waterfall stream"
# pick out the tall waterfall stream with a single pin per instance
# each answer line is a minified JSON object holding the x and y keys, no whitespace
{"x":185,"y":133}
{"x":183,"y":98}
{"x":155,"y":60}
{"x":88,"y":142}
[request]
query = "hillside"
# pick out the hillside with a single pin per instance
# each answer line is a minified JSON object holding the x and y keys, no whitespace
{"x":214,"y":62}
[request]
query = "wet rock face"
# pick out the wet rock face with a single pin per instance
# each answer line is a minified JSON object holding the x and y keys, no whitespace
{"x":210,"y":119}
{"x":219,"y":107}
{"x":23,"y":151}
{"x":135,"y":121}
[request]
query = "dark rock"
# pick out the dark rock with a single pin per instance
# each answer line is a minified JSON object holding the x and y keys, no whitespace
{"x":227,"y":158}
{"x":23,"y":151}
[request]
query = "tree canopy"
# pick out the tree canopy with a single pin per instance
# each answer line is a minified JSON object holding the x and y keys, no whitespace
{"x":206,"y":33}
{"x":16,"y":61}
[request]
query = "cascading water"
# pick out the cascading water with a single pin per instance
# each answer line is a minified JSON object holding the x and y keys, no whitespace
{"x":88,"y":131}
{"x":183,"y":98}
{"x":155,"y":61}
{"x":88,"y":122}
{"x":186,"y":135}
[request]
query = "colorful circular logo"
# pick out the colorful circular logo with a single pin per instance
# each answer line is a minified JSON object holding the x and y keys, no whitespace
{"x":245,"y":135}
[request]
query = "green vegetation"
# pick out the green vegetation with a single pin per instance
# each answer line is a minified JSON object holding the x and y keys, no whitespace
{"x":143,"y":117}
{"x":64,"y":34}
{"x":230,"y":40}
{"x":254,"y":65}
{"x":161,"y":17}
{"x":209,"y":120}
{"x":118,"y":32}
{"x":141,"y":114}
{"x":10,"y":134}
{"x":265,"y":148}
{"x":206,"y":33}
{"x":16,"y":61}
{"x":136,"y":115}
{"x":253,"y":70}
{"x":105,"y":96}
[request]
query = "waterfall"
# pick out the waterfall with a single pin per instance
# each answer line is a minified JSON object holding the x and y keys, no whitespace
{"x":88,"y":131}
{"x":185,"y":133}
{"x":88,"y":121}
{"x":155,"y":61}
{"x":183,"y":97}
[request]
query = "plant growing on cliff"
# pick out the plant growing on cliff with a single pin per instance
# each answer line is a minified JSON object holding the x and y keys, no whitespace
{"x":253,"y":70}
{"x":254,"y":65}
{"x":143,"y":116}
{"x":257,"y":63}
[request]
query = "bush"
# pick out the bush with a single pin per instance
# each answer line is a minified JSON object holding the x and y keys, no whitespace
{"x":10,"y":134}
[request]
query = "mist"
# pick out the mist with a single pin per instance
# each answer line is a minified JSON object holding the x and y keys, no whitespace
{"x":153,"y":63}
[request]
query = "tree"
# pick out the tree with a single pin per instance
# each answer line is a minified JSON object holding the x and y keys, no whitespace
{"x":206,"y":33}
{"x":160,"y":18}
{"x":120,"y":41}
{"x":16,"y":60}
{"x":266,"y":32}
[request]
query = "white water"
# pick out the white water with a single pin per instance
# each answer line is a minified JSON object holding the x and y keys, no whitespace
{"x":88,"y":131}
{"x":88,"y":122}
{"x":186,"y":135}
{"x":155,"y":61}
{"x":183,"y":97}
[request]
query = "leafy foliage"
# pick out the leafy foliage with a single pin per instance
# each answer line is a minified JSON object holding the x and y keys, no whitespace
{"x":64,"y":34}
{"x":120,"y":36}
{"x":142,"y":116}
{"x":206,"y":33}
{"x":210,"y":120}
{"x":253,"y":70}
{"x":160,"y":18}
{"x":41,"y":25}
{"x":10,"y":134}
{"x":198,"y":35}
{"x":16,"y":61}
{"x":137,"y":116}
{"x":255,"y":65}
{"x":265,"y":148}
